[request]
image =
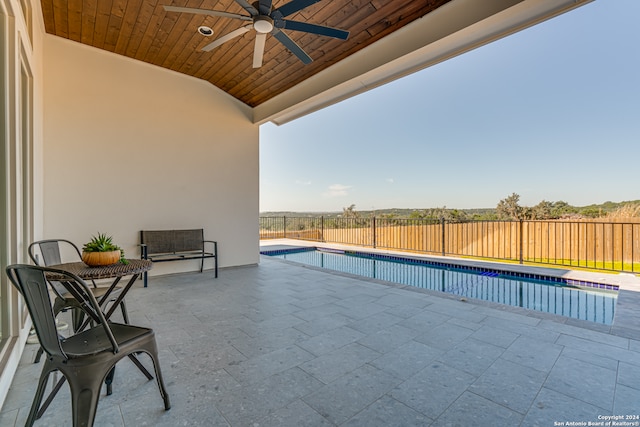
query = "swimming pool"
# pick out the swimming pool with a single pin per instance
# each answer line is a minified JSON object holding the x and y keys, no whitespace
{"x":582,"y":300}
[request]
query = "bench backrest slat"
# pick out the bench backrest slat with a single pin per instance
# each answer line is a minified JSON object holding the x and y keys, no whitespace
{"x":171,"y":241}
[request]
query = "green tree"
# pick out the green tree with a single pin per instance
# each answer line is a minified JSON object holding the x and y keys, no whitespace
{"x":350,"y":212}
{"x":542,"y":210}
{"x":509,"y":208}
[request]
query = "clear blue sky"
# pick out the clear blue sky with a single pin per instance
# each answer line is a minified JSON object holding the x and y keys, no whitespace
{"x":551,"y":113}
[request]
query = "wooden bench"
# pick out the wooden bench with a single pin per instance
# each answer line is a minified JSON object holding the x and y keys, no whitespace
{"x":177,"y":245}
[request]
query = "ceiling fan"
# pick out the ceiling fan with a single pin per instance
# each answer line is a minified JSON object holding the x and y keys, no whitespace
{"x":266,"y":20}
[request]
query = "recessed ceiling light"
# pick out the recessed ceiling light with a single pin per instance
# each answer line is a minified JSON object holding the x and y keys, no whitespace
{"x":205,"y":31}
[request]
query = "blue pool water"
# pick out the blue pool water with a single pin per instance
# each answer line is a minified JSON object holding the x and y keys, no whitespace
{"x":594,"y":302}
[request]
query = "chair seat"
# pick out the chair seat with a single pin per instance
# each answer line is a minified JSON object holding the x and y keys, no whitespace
{"x":95,"y":340}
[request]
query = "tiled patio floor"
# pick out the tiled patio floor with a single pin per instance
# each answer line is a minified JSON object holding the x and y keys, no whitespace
{"x":283,"y":345}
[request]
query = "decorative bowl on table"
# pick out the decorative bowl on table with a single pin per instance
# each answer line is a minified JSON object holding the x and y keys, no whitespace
{"x":99,"y":259}
{"x":101,"y":251}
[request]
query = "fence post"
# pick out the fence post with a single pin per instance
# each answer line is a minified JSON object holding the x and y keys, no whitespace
{"x":284,"y":225}
{"x":322,"y":228}
{"x":443,"y":237}
{"x":521,"y":242}
{"x":373,"y":225}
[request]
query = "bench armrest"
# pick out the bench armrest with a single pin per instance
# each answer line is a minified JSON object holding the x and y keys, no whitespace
{"x":215,"y":245}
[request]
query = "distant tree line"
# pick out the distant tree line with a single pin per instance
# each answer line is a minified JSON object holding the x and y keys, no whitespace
{"x":508,"y":208}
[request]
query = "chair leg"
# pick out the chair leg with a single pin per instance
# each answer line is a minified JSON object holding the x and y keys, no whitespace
{"x":37,"y":399}
{"x":39,"y":354}
{"x":109,"y":380}
{"x":77,"y":317}
{"x":161,"y":386}
{"x":84,"y":403}
{"x":125,"y":314}
{"x":85,"y":385}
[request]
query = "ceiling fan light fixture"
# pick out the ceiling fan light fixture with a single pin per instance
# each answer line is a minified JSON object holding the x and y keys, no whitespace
{"x":205,"y":31}
{"x":263,"y":24}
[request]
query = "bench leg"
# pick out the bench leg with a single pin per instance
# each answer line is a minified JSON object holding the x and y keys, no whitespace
{"x":144,"y":278}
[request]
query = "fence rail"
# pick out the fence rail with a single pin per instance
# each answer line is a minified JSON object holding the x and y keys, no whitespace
{"x":611,"y":246}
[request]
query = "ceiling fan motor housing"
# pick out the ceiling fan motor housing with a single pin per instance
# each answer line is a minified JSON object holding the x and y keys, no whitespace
{"x":263,"y":24}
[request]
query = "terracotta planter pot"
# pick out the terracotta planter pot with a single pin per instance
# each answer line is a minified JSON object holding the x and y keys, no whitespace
{"x":96,"y":259}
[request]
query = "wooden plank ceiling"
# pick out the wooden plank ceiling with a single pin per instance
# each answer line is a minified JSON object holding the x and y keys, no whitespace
{"x":143,"y":30}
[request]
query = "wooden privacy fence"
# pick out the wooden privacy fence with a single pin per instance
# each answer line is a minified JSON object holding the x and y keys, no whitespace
{"x":589,"y":244}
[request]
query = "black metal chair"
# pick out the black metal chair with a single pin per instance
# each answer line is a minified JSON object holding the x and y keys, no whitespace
{"x":86,"y":358}
{"x":51,"y":252}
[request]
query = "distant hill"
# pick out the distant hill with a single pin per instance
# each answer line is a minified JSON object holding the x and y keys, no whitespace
{"x":589,"y":211}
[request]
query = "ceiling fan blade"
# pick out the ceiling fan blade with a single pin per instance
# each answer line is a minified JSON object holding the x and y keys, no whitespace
{"x":292,"y":46}
{"x":233,"y":34}
{"x":265,"y":6}
{"x":206,"y":12}
{"x":316,"y":29}
{"x":248,"y":7}
{"x":292,"y":7}
{"x":258,"y":50}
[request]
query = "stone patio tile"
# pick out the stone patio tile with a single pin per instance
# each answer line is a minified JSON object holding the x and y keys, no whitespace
{"x":296,"y":414}
{"x":600,"y":349}
{"x":404,"y":312}
{"x":407,"y":359}
{"x":498,"y":337}
{"x":280,"y":322}
{"x":432,"y":390}
{"x":350,"y":394}
{"x":626,"y":401}
{"x":530,"y":331}
{"x":552,"y":407}
{"x":207,"y":355}
{"x":330,"y":340}
{"x":425,"y":320}
{"x":629,"y":374}
{"x":445,"y":336}
{"x":260,"y":367}
{"x":457,"y":309}
{"x":507,"y":313}
{"x":509,"y":384}
{"x":584,"y":381}
{"x":322,"y":323}
{"x":361,"y":311}
{"x":404,"y":299}
{"x":533,"y":354}
{"x":331,"y":366}
{"x":474,"y":326}
{"x":595,"y":336}
{"x":245,"y":405}
{"x":594,"y":359}
{"x":372,"y":324}
{"x":473,"y":410}
{"x":268,"y":342}
{"x":319,"y":312}
{"x":309,"y":301}
{"x":387,"y":412}
{"x":472,"y":356}
{"x":388,"y":339}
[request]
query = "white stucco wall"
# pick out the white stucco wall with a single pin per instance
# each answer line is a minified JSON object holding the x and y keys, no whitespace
{"x":129,"y":146}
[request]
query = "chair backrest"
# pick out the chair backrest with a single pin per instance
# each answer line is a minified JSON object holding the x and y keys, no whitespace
{"x":172,"y":241}
{"x":32,"y":283}
{"x":51,"y":251}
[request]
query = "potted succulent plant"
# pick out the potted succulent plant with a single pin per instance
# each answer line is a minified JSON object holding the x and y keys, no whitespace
{"x":101,"y":250}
